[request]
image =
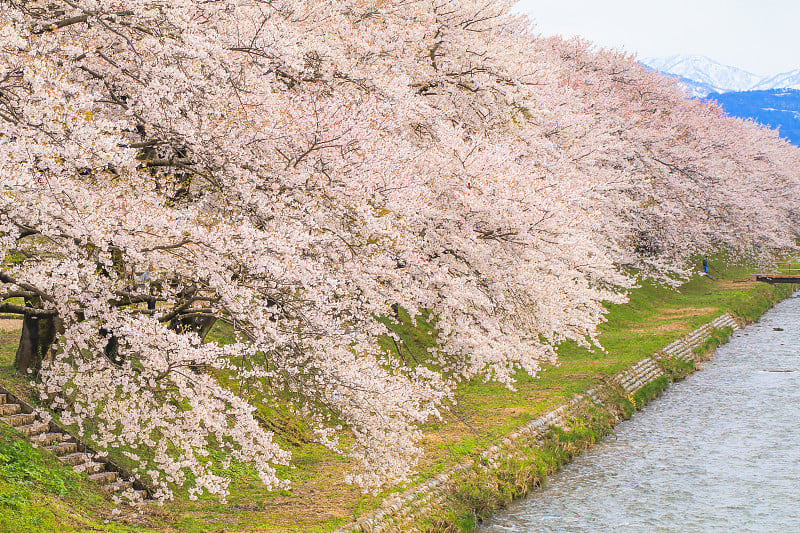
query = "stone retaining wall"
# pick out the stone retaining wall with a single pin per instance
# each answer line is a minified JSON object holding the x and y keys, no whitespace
{"x":399,"y":511}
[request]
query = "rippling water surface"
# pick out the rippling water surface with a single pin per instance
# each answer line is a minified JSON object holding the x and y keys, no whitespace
{"x":719,"y":451}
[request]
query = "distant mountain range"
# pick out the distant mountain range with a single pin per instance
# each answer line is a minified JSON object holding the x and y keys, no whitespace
{"x":772,"y":100}
{"x":702,"y":76}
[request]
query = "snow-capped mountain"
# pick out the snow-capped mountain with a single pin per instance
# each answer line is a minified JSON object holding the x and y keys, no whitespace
{"x":705,"y":72}
{"x":701,"y":76}
{"x":695,"y":89}
{"x":773,"y":101}
{"x":787,"y":80}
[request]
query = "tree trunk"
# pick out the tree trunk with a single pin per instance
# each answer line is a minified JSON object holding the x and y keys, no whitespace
{"x":27,"y":360}
{"x":111,"y":349}
{"x":200,"y":325}
{"x":35,"y":343}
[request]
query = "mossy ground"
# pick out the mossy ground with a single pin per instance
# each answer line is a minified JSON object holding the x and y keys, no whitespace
{"x":319,"y":500}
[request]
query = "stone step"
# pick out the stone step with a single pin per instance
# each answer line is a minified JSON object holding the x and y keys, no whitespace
{"x":126,"y":487}
{"x":47,"y":439}
{"x":57,"y":443}
{"x":31,"y":430}
{"x":90,"y":467}
{"x":63,"y":448}
{"x":74,"y":459}
{"x":677,"y":348}
{"x":726,"y":319}
{"x":141,"y":495}
{"x":119,"y":485}
{"x":103,"y":478}
{"x":7,"y":409}
{"x":19,"y":420}
{"x":697,"y":338}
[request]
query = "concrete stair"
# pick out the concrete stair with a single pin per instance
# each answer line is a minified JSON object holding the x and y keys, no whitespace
{"x":64,"y":446}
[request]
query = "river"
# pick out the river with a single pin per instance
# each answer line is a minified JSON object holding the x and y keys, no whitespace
{"x":719,"y":451}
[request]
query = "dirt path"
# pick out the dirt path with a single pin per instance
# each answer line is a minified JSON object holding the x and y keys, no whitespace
{"x":10,"y":324}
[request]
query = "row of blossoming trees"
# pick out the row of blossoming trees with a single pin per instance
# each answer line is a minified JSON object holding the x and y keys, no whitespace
{"x":298,"y":169}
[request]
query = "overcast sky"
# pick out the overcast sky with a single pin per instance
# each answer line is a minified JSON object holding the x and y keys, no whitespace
{"x":762,"y":36}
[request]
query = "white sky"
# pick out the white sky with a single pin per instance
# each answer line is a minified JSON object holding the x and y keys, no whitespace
{"x":762,"y":36}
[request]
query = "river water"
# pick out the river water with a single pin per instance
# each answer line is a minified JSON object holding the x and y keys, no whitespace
{"x":719,"y":451}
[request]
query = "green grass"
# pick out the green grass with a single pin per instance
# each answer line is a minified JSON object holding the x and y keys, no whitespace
{"x":38,"y":494}
{"x":676,"y":369}
{"x":716,"y":339}
{"x":320,"y":501}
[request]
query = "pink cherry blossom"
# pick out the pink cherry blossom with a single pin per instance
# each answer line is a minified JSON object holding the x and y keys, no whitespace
{"x":296,"y":170}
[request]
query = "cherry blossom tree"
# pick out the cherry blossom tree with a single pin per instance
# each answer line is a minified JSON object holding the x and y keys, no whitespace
{"x":300,"y":169}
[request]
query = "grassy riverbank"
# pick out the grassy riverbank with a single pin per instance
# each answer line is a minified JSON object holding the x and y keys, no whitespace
{"x":319,"y":501}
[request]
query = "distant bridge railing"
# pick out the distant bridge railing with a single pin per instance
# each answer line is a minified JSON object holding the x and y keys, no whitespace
{"x":781,"y":273}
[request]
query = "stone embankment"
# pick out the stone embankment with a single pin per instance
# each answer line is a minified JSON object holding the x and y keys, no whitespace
{"x":400,"y":513}
{"x":69,"y":449}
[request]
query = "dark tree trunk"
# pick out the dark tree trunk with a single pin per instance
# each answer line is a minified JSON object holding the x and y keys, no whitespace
{"x":111,"y":349}
{"x":200,"y":325}
{"x":27,"y":359}
{"x":35,"y":343}
{"x":205,"y":327}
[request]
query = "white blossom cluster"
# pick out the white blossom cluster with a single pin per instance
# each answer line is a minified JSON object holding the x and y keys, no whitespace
{"x":298,"y":169}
